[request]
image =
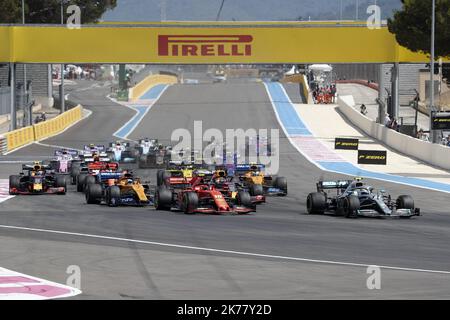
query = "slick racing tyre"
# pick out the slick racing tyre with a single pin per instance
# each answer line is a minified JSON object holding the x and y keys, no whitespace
{"x":190,"y":202}
{"x":405,"y":202}
{"x":161,"y":177}
{"x":244,"y":199}
{"x":350,"y":205}
{"x":256,"y":190}
{"x":163,"y":199}
{"x":89,"y":180}
{"x":93,"y":193}
{"x":80,"y":181}
{"x":281,"y":183}
{"x":14,"y":182}
{"x":316,"y":203}
{"x":61,"y":182}
{"x":113,"y":196}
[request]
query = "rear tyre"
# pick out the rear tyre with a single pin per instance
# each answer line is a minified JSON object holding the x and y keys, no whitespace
{"x":80,"y":181}
{"x":113,"y":196}
{"x":90,"y":180}
{"x":350,"y":205}
{"x":190,"y":202}
{"x":163,"y":199}
{"x":161,"y":177}
{"x":94,"y":193}
{"x":256,"y":190}
{"x":14,"y":182}
{"x":316,"y":203}
{"x":244,"y":199}
{"x":61,"y":182}
{"x":281,"y":183}
{"x":142,"y":161}
{"x":74,"y":172}
{"x":405,"y":202}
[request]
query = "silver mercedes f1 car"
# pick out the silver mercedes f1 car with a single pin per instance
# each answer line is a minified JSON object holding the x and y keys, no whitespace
{"x":354,"y":198}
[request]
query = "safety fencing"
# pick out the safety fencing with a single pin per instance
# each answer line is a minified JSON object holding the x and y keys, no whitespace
{"x":152,"y":80}
{"x":21,"y":137}
{"x":434,"y":154}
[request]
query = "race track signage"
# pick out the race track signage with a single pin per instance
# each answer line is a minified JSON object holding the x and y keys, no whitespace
{"x":346,"y":144}
{"x":372,"y":157}
{"x":203,"y":43}
{"x":441,"y":121}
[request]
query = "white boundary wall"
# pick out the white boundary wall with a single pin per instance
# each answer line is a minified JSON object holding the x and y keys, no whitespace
{"x":434,"y":154}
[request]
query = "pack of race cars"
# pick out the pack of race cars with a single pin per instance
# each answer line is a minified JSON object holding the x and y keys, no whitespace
{"x":190,"y":186}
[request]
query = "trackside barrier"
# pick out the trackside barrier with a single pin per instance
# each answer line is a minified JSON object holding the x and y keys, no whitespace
{"x":18,"y":138}
{"x":58,"y":124}
{"x":300,"y":78}
{"x":434,"y":154}
{"x":149,"y":82}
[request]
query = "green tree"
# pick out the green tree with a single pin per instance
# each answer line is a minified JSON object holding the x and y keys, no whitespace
{"x":412,"y":26}
{"x":10,"y":11}
{"x":49,"y":11}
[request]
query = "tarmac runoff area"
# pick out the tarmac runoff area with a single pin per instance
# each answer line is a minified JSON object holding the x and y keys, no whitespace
{"x":337,"y":126}
{"x":305,"y":127}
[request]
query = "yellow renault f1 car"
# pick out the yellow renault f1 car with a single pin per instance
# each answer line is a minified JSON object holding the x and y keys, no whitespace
{"x":252,"y":176}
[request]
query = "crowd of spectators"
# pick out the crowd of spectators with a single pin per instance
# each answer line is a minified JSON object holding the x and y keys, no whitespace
{"x":391,"y":123}
{"x":325,"y":94}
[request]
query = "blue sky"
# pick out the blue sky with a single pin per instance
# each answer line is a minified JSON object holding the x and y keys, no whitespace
{"x":245,"y":10}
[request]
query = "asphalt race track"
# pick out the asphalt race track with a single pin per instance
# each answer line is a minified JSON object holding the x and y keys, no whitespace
{"x":278,"y":253}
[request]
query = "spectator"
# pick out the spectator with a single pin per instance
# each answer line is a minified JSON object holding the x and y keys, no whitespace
{"x":333,"y":93}
{"x":387,"y":120}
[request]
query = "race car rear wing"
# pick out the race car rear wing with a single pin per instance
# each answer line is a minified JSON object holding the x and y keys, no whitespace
{"x":27,"y":167}
{"x":248,"y":167}
{"x":59,"y":153}
{"x":98,"y":148}
{"x":327,"y":185}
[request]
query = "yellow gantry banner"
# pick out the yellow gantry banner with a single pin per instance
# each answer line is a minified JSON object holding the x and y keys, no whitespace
{"x":203,"y":43}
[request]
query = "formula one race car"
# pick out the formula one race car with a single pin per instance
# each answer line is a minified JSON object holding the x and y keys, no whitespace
{"x":253,"y":178}
{"x":193,"y":196}
{"x":354,"y":198}
{"x":145,"y":145}
{"x":63,"y":160}
{"x":231,"y":185}
{"x":157,"y":157}
{"x":126,"y":190}
{"x":96,"y":170}
{"x":122,"y":152}
{"x":174,"y":171}
{"x":39,"y":179}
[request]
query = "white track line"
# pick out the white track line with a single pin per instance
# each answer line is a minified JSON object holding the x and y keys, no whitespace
{"x":241,"y":253}
{"x":317,"y":164}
